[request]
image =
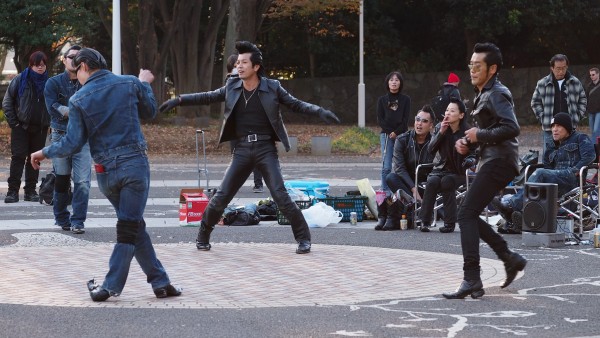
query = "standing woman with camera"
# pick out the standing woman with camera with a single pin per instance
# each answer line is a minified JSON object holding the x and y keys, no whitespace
{"x":392,"y":116}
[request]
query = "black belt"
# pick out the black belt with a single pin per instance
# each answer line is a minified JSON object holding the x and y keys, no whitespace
{"x":254,"y":138}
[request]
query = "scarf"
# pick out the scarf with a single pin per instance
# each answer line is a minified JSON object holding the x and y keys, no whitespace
{"x":39,"y":81}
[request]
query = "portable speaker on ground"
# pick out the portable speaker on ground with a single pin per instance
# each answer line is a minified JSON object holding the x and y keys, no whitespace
{"x":540,"y":207}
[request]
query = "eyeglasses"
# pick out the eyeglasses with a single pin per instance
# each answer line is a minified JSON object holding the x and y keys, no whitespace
{"x":420,"y":119}
{"x":475,"y":67}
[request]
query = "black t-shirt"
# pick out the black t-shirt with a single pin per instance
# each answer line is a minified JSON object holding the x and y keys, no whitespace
{"x":250,"y":116}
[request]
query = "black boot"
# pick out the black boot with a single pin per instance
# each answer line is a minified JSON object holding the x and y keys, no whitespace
{"x":447,"y":228}
{"x":393,"y":216}
{"x":513,"y":263}
{"x":382,"y":211}
{"x":203,"y":239}
{"x":12,"y":196}
{"x":504,"y":209}
{"x":380,"y":223}
{"x":473,"y":287}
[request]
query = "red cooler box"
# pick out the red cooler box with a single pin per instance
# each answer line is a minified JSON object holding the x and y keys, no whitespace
{"x":192,"y":203}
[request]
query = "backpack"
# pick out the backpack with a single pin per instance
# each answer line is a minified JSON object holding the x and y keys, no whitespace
{"x":46,"y":192}
{"x":440,"y":102}
{"x":239,"y":216}
{"x":267,"y":210}
{"x":47,"y":189}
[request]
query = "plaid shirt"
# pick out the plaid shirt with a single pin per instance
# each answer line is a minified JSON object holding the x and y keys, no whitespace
{"x":542,"y":101}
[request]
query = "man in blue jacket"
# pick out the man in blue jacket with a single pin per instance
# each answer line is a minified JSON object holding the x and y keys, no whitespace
{"x":106,"y":112}
{"x":563,"y":159}
{"x":57,"y":93}
{"x":253,"y":120}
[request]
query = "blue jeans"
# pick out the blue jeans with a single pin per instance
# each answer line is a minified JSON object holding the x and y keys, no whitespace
{"x":563,"y":177}
{"x":594,"y":126}
{"x":387,"y":154}
{"x":80,"y":165}
{"x":125,"y":183}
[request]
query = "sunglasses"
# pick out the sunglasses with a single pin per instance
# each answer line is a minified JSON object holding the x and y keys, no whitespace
{"x":418,"y":119}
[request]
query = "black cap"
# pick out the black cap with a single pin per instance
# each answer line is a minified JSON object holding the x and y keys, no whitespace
{"x":563,"y":119}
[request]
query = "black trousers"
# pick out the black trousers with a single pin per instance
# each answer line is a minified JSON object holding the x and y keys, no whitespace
{"x":23,"y":142}
{"x":446,"y":184}
{"x":263,"y":156}
{"x":491,"y":178}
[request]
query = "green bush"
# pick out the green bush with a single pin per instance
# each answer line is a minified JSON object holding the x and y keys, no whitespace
{"x":2,"y":118}
{"x":355,"y":140}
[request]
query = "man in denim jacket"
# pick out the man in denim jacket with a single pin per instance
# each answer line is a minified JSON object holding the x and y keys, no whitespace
{"x":106,"y":112}
{"x":570,"y":152}
{"x":57,"y":93}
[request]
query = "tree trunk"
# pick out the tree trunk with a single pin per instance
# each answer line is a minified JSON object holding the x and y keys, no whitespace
{"x":193,"y":50}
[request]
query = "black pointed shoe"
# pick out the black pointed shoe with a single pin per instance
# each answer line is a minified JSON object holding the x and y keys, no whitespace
{"x":447,"y":228}
{"x":474,"y":288}
{"x":303,"y":247}
{"x":203,"y":239}
{"x":167,"y":291}
{"x":97,"y":293}
{"x":513,"y":263}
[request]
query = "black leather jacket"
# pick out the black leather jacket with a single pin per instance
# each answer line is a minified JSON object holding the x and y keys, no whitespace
{"x":407,"y":158}
{"x":271,"y":95}
{"x":25,"y":110}
{"x":494,"y":115}
{"x":450,"y":160}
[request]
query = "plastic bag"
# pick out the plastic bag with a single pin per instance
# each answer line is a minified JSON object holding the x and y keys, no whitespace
{"x":297,"y":194}
{"x":321,"y":215}
{"x":367,"y":190}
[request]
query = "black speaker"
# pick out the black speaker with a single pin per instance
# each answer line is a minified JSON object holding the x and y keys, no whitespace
{"x":540,"y":207}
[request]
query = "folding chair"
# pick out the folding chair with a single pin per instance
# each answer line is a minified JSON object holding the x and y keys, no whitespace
{"x":461,"y":191}
{"x":573,"y":203}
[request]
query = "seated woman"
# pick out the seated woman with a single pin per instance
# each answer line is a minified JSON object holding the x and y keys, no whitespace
{"x":449,"y":168}
{"x":410,"y":150}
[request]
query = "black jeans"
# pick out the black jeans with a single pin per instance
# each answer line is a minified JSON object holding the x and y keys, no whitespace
{"x":490,"y":179}
{"x":258,"y":179}
{"x":261,"y":155}
{"x":446,"y":184}
{"x":23,"y":142}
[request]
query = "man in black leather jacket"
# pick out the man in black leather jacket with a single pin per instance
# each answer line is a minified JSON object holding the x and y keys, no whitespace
{"x":495,"y":134}
{"x":252,"y":119}
{"x":410,"y":150}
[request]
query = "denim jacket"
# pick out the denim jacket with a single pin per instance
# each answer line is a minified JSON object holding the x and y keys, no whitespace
{"x":107,"y":111}
{"x":271,"y":95}
{"x":58,"y":90}
{"x":570,"y":155}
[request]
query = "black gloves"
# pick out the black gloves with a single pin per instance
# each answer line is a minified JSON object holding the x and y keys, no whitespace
{"x":168,"y":105}
{"x":468,"y":163}
{"x":328,"y":116}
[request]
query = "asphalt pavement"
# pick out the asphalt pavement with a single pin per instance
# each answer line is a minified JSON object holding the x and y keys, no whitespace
{"x":356,"y":282}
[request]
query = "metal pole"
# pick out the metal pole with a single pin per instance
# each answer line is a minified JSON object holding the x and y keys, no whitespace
{"x":116,"y":41}
{"x":361,"y":82}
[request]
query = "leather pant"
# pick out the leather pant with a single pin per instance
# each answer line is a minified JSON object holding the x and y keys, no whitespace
{"x":263,"y":156}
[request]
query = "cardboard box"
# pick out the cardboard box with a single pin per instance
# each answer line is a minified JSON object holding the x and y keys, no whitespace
{"x":541,"y":239}
{"x":192,"y":203}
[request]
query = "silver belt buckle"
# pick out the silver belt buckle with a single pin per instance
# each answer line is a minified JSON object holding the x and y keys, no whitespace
{"x":252,"y":138}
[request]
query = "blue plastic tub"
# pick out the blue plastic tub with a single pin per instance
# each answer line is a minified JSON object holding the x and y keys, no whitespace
{"x":314,"y":189}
